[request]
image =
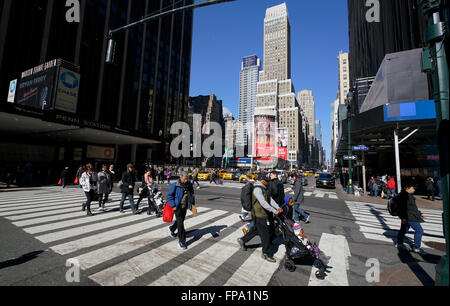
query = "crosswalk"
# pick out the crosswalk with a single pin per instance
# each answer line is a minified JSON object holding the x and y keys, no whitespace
{"x":315,"y":193}
{"x":116,"y":249}
{"x":376,"y":223}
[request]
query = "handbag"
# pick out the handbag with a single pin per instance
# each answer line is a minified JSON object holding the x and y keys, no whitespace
{"x":77,"y":181}
{"x":60,"y":182}
{"x":168,"y":213}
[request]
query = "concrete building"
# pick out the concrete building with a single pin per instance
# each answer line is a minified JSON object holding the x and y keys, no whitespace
{"x":344,"y":77}
{"x":123,"y":110}
{"x":249,"y":77}
{"x":276,"y":92}
{"x":231,"y":133}
{"x":307,"y":103}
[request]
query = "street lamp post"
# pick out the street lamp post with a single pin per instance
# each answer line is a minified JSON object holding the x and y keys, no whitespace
{"x":348,"y":103}
{"x":112,"y":41}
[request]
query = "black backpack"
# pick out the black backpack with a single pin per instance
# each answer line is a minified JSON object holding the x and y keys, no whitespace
{"x":246,"y":197}
{"x":393,"y":206}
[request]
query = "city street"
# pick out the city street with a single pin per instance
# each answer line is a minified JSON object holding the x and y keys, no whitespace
{"x":45,"y":228}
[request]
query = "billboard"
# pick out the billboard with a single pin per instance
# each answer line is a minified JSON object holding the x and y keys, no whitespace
{"x":12,"y":91}
{"x":37,"y":89}
{"x":103,"y":153}
{"x":283,"y":143}
{"x":265,"y":138}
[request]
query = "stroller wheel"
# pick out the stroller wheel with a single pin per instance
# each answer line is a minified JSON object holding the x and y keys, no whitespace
{"x":289,"y":265}
{"x":320,"y":274}
{"x":317,"y":264}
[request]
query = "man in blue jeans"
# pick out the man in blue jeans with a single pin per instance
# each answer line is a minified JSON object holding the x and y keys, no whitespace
{"x":128,"y":184}
{"x":411,"y":217}
{"x":299,"y":198}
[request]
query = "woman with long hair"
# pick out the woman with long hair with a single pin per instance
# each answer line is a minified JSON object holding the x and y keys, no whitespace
{"x":87,"y":183}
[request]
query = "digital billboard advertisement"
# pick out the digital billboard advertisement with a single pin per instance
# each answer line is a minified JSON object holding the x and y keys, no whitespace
{"x":265,"y":139}
{"x":283,"y":143}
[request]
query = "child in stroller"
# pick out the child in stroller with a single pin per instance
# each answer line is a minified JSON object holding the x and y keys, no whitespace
{"x":150,"y":190}
{"x":298,"y":245}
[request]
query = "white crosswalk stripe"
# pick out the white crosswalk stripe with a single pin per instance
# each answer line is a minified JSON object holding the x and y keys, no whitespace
{"x":376,"y":223}
{"x":118,"y":249}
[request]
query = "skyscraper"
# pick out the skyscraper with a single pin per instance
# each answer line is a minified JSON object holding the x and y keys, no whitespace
{"x":308,"y":105}
{"x":249,"y":77}
{"x":276,"y":92}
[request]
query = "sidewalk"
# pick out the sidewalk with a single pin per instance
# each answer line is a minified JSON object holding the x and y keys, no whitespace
{"x":421,"y":201}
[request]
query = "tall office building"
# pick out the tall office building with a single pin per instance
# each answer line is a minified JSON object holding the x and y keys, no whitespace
{"x":308,"y":105}
{"x":249,"y":77}
{"x":344,"y":77}
{"x":276,"y":92}
{"x":129,"y":106}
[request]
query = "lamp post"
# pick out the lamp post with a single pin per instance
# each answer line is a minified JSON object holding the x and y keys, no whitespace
{"x":348,"y":103}
{"x":434,"y":62}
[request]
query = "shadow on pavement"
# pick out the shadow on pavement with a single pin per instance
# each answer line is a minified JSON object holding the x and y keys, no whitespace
{"x":198,"y":234}
{"x":20,"y":260}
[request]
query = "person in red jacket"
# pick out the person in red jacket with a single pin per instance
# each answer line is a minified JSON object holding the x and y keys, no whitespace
{"x":390,"y":188}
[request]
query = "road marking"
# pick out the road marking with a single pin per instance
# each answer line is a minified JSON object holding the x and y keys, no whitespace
{"x":199,"y":268}
{"x":320,"y":194}
{"x":99,"y":256}
{"x":256,"y":271}
{"x":127,"y":271}
{"x":308,"y":194}
{"x":336,"y":247}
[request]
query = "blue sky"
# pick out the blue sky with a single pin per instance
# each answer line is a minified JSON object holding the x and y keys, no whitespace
{"x":225,"y":33}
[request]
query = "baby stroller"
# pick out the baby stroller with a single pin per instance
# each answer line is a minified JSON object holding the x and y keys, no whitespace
{"x":296,"y":249}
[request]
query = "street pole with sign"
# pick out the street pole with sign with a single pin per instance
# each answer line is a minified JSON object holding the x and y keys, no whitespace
{"x":434,"y":62}
{"x":348,"y":103}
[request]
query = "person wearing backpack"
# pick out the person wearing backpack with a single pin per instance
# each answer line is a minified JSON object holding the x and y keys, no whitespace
{"x":411,"y":217}
{"x":262,"y":213}
{"x":246,"y":201}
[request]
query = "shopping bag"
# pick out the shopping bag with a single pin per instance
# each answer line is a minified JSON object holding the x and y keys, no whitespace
{"x":60,"y":182}
{"x":77,"y":181}
{"x":194,"y":210}
{"x":168,"y":213}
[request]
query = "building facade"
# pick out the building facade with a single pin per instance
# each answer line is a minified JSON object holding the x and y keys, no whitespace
{"x":138,"y":98}
{"x":307,"y":103}
{"x":344,"y":77}
{"x":276,"y":92}
{"x":248,"y":81}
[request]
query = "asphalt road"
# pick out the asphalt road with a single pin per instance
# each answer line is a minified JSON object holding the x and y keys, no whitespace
{"x":42,"y":228}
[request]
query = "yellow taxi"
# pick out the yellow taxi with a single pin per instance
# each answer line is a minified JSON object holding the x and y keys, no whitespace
{"x":308,"y":173}
{"x":316,"y":175}
{"x":222,"y":173}
{"x":203,"y":176}
{"x":228,"y":176}
{"x":244,"y":178}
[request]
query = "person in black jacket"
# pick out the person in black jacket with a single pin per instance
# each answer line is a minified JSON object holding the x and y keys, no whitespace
{"x":429,"y":184}
{"x":411,"y":217}
{"x":64,"y":177}
{"x":128,"y":184}
{"x":276,"y":188}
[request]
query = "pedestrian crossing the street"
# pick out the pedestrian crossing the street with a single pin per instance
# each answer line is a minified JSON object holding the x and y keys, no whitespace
{"x":376,"y":223}
{"x":115,"y":249}
{"x":288,"y":191}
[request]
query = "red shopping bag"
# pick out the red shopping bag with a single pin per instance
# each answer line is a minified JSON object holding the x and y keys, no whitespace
{"x":76,"y":181}
{"x":60,"y":182}
{"x":168,"y":213}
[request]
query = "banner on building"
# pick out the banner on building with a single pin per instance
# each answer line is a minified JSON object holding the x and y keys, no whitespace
{"x":265,"y":138}
{"x":67,"y":91}
{"x":103,"y":153}
{"x":283,"y":143}
{"x":37,"y":89}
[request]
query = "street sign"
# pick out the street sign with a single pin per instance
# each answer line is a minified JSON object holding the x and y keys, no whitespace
{"x":350,"y":157}
{"x":361,"y":148}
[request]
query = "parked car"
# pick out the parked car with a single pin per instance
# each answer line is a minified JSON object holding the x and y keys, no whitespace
{"x":325,"y":180}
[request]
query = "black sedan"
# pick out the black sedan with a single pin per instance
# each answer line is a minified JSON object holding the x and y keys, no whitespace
{"x":325,"y":180}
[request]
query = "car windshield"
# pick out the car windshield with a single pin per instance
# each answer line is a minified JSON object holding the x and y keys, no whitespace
{"x":324,"y":176}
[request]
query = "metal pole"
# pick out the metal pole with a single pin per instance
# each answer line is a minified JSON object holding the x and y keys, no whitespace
{"x":434,"y":62}
{"x":364,"y":171}
{"x":397,"y":161}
